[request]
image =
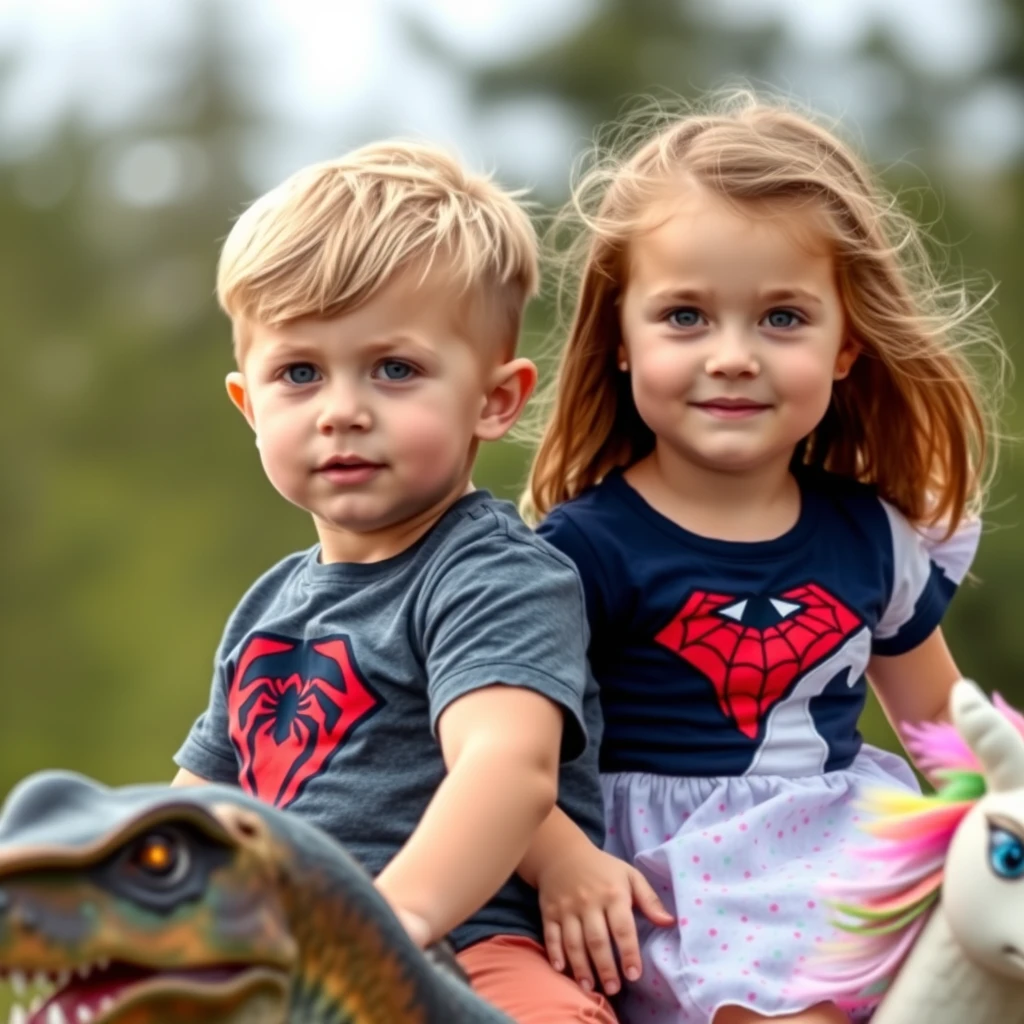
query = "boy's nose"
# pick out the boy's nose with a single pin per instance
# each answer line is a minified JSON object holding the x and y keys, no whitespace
{"x":343,"y":408}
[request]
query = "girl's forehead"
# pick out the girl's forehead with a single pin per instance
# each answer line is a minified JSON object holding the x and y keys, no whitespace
{"x":691,"y":222}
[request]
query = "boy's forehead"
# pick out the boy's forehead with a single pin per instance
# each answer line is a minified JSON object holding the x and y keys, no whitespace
{"x":425,"y":307}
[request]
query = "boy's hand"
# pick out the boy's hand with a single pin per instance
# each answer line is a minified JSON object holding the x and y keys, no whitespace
{"x":417,"y":927}
{"x":587,"y":900}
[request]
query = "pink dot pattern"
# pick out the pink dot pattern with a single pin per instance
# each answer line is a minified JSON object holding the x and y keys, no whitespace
{"x":740,"y":872}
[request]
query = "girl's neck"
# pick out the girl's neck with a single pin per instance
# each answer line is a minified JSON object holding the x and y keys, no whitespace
{"x":754,"y":505}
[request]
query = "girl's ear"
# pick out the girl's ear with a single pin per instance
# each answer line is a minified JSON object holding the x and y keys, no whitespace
{"x":235,"y":383}
{"x":845,"y":359}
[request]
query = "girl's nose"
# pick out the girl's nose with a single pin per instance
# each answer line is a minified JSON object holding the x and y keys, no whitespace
{"x":732,"y":355}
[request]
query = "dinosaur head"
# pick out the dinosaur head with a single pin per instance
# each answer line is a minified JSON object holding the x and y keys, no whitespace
{"x":139,"y":905}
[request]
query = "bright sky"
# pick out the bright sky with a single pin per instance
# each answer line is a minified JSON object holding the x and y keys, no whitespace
{"x":341,"y":70}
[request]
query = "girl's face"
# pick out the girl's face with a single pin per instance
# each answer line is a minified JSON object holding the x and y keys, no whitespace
{"x":733,"y":331}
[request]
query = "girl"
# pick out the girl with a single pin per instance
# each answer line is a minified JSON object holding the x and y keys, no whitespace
{"x":765,"y":455}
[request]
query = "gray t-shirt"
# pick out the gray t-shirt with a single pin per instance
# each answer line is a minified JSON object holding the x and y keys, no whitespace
{"x":329,"y":681}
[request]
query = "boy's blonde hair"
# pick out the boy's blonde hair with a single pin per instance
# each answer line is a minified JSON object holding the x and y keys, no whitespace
{"x":912,"y":417}
{"x":334,"y":234}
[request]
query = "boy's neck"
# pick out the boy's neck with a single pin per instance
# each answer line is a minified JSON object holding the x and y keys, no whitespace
{"x":340,"y":545}
{"x":755,"y":505}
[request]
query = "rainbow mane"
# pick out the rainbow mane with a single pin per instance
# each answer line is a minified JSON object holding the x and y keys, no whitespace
{"x":883,"y":913}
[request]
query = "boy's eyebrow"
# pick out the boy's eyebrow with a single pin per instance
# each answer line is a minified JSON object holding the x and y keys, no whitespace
{"x":400,"y":339}
{"x":284,"y":347}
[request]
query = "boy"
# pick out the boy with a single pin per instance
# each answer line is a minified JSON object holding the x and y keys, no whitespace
{"x":410,"y":682}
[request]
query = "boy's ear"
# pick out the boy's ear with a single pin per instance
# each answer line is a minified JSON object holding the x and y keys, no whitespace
{"x":510,"y":388}
{"x":235,"y":384}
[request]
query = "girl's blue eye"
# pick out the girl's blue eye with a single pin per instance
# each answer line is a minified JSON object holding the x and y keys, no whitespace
{"x":783,"y":318}
{"x":395,"y":370}
{"x":301,"y":373}
{"x":685,"y":317}
{"x":1006,"y":853}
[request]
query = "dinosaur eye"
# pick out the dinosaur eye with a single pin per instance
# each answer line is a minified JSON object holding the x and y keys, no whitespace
{"x":1006,"y":854}
{"x":160,"y":857}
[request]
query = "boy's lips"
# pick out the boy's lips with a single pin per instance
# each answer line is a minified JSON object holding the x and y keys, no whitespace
{"x":348,"y":469}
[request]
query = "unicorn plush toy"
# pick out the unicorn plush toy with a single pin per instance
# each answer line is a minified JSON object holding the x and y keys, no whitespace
{"x":935,"y":930}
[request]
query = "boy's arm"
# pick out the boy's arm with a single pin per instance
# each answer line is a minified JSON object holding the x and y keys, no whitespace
{"x":187,"y":778}
{"x":558,"y":837}
{"x":501,"y":746}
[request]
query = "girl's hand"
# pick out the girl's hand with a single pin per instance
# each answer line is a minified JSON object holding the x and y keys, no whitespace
{"x":586,"y":900}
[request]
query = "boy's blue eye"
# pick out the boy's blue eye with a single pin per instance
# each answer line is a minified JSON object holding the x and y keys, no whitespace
{"x":1006,"y":853}
{"x":395,"y":370}
{"x":685,"y":317}
{"x":301,"y":373}
{"x":782,"y":318}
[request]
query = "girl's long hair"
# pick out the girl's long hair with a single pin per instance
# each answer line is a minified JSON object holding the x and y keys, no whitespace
{"x":914,"y":417}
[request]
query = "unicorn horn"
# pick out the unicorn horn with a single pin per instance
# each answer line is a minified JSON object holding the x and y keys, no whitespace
{"x":998,"y":746}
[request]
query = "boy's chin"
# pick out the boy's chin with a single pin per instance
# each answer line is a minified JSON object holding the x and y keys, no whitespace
{"x":372,"y":519}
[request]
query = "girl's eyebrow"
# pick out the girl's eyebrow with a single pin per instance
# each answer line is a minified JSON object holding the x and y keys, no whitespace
{"x":683,"y":294}
{"x":791,"y":295}
{"x":688,"y":294}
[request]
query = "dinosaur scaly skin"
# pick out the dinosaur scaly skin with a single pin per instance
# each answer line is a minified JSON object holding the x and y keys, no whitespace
{"x":153,"y":905}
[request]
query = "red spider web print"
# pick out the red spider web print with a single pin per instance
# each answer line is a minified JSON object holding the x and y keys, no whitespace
{"x":751,"y":668}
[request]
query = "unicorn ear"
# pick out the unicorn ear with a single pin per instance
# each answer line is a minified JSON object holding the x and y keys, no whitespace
{"x":995,"y":742}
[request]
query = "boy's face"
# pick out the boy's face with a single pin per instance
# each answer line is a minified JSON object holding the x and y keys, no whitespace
{"x":370,"y":420}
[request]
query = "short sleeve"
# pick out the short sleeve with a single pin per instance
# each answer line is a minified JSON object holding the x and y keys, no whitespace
{"x":579,"y":785}
{"x":926,"y":570}
{"x":561,"y":531}
{"x":508,"y":610}
{"x":207,"y":750}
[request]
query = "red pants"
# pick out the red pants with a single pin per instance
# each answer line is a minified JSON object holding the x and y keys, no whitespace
{"x":513,"y":973}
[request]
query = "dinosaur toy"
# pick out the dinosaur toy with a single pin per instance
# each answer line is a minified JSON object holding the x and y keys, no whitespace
{"x":934,"y":931}
{"x":158,"y":905}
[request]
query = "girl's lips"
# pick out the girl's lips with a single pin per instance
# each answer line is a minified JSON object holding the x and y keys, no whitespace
{"x":731,"y":410}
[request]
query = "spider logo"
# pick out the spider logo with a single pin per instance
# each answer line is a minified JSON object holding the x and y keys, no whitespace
{"x":291,"y":706}
{"x":753,"y":649}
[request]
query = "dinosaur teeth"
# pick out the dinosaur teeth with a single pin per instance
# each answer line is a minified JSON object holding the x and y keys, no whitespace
{"x":19,"y":983}
{"x":55,"y":1015}
{"x":19,"y":1015}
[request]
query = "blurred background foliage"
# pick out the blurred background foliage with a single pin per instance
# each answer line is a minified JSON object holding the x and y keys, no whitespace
{"x":134,"y":512}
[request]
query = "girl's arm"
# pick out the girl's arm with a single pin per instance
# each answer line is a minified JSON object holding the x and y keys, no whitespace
{"x":586,"y":901}
{"x":915,"y":686}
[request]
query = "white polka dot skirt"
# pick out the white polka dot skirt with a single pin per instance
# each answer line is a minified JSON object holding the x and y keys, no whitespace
{"x":739,"y":861}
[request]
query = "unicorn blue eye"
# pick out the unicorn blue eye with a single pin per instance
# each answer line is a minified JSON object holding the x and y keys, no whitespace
{"x":1006,"y":853}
